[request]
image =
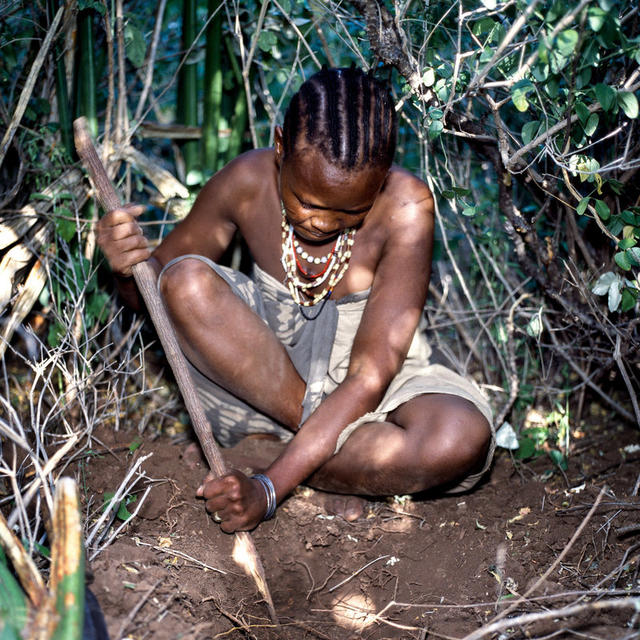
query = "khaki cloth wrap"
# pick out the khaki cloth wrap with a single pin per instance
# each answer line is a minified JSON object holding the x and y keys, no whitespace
{"x":318,"y":340}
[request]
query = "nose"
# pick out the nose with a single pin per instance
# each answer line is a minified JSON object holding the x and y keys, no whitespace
{"x":322,"y":225}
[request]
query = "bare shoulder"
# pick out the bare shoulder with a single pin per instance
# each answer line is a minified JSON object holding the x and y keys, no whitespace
{"x":223,"y":206}
{"x":408,"y":192}
{"x":241,"y":181}
{"x":406,"y":204}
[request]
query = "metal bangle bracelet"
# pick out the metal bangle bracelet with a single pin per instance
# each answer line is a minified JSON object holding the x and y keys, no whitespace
{"x":270,"y":493}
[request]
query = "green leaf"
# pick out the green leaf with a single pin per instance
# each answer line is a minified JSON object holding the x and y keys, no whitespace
{"x":633,"y":253}
{"x":558,"y":459}
{"x":519,"y":93}
{"x":123,"y":514}
{"x":65,"y":227}
{"x":566,"y":42}
{"x":470,"y":211}
{"x":605,"y":95}
{"x":134,"y":445}
{"x":436,"y":114}
{"x":626,"y":243}
{"x":582,"y":111}
{"x":582,"y":206}
{"x":429,"y":77}
{"x":485,"y":25}
{"x":526,"y":449}
{"x":134,"y":45}
{"x":604,"y":283}
{"x":628,"y":103}
{"x":448,"y":194}
{"x":615,"y":225}
{"x":615,"y":297}
{"x":629,"y":299}
{"x":529,"y":131}
{"x":596,"y":17}
{"x":55,"y":334}
{"x":267,"y":40}
{"x":435,"y":129}
{"x":622,"y":260}
{"x":602,"y":209}
{"x":97,"y":306}
{"x":629,"y":217}
{"x":592,"y":124}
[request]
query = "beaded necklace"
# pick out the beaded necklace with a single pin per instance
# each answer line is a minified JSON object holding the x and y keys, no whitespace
{"x":337,"y":262}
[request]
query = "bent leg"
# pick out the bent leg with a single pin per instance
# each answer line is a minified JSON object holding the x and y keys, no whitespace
{"x":229,"y":343}
{"x":431,"y":440}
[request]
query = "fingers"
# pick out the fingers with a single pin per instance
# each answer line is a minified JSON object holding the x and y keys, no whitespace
{"x":121,"y":239}
{"x":232,"y":501}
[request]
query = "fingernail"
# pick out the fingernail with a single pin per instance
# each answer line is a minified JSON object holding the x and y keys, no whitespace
{"x":200,"y":490}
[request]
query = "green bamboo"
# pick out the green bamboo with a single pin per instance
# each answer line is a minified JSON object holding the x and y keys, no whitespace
{"x":188,"y":93}
{"x":62,"y":95}
{"x":67,"y":581}
{"x":240,"y":117}
{"x":85,"y":76}
{"x":13,"y":602}
{"x":212,"y":89}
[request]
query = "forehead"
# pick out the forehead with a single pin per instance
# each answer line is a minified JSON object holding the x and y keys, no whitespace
{"x":308,"y":172}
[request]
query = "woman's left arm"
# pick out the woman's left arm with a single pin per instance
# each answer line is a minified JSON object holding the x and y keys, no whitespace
{"x":382,"y":341}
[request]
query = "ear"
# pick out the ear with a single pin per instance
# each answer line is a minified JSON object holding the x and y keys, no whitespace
{"x":278,"y":147}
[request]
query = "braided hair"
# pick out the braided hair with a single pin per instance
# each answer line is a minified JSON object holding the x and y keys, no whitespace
{"x":345,"y":113}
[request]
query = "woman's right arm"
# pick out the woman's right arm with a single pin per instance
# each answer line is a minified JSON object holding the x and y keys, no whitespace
{"x":207,"y":230}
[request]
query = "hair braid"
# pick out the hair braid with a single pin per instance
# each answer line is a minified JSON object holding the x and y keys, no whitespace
{"x":345,"y":113}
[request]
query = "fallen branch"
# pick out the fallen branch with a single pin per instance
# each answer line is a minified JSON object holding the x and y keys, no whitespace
{"x":566,"y":612}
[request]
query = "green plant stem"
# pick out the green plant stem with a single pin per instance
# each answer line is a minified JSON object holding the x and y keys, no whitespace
{"x":13,"y":600}
{"x":85,"y":71}
{"x":62,"y":95}
{"x":212,"y":89}
{"x":240,"y":115}
{"x":67,"y":562}
{"x":188,"y":93}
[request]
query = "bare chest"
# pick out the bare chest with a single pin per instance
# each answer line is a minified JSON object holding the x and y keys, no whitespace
{"x":312,"y":262}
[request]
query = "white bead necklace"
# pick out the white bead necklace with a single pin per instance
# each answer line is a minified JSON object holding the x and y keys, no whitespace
{"x":336,"y":265}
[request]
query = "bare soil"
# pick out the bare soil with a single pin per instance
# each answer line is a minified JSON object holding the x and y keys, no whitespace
{"x":427,"y":567}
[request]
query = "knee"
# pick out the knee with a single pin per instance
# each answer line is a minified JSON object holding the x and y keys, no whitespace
{"x":183,"y":283}
{"x":459,"y":440}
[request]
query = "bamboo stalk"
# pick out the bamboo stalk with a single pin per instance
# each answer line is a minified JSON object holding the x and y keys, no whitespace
{"x":67,"y":581}
{"x":85,"y":71}
{"x":244,"y":551}
{"x":14,"y":605}
{"x":62,"y":95}
{"x":240,"y":115}
{"x":24,"y":566}
{"x":188,"y":91}
{"x":212,"y":89}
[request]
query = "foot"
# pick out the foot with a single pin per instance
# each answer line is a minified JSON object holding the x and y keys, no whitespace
{"x":350,"y":508}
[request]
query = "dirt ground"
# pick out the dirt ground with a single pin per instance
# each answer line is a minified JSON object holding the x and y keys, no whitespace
{"x":433,"y":567}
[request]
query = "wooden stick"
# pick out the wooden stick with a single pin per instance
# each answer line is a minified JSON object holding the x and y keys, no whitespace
{"x":244,"y":549}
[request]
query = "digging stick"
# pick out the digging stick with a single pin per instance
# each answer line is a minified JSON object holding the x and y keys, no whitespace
{"x":244,"y":551}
